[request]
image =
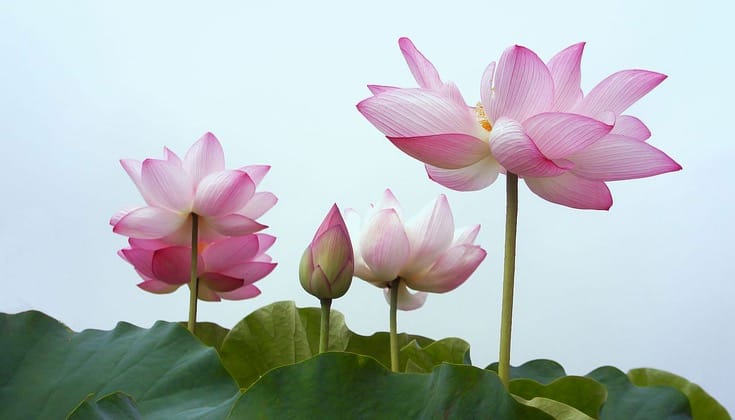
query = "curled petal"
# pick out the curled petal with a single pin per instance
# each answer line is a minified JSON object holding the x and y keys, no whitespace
{"x":430,"y":232}
{"x":566,"y":72}
{"x":423,"y":71}
{"x":256,"y":172}
{"x":471,"y":178}
{"x":265,"y":241}
{"x":629,"y":126}
{"x":167,"y":184}
{"x":204,"y":157}
{"x":617,"y":158}
{"x":523,"y":86}
{"x":234,"y":225}
{"x":376,"y":89}
{"x":450,"y":270}
{"x":448,"y":151}
{"x":149,"y":223}
{"x":572,"y":191}
{"x":223,"y":193}
{"x":384,"y":245}
{"x":518,"y":153}
{"x":141,"y":259}
{"x":619,"y":91}
{"x":407,"y":301}
{"x":558,"y":135}
{"x":246,"y":292}
{"x":172,"y":265}
{"x":158,"y":287}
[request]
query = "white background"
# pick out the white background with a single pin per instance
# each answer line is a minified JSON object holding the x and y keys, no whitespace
{"x":83,"y":84}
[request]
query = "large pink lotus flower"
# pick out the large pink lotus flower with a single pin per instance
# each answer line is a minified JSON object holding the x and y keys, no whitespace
{"x":533,"y":120}
{"x":227,"y":268}
{"x":425,"y":252}
{"x":174,"y":189}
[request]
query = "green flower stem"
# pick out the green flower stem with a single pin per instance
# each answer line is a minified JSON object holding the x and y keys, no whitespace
{"x":393,"y":324}
{"x":509,"y":268}
{"x":194,"y":279}
{"x":324,"y":330}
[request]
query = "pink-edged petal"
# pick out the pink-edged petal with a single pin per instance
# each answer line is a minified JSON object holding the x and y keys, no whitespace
{"x":333,"y":218}
{"x":422,"y":70}
{"x":384,"y":244}
{"x":265,"y":241}
{"x":558,"y":135}
{"x":332,"y":250}
{"x":629,"y":126}
{"x":259,"y":204}
{"x":149,"y":223}
{"x":389,"y":201}
{"x":486,"y":84}
{"x":376,"y":89}
{"x":246,"y":292}
{"x":354,"y":223}
{"x":417,"y":112}
{"x":120,"y":214}
{"x":158,"y":287}
{"x":148,"y":244}
{"x":466,"y":236}
{"x":171,"y":157}
{"x":223,"y":193}
{"x":471,"y":178}
{"x":430,"y":232}
{"x":616,"y":158}
{"x":167,"y":184}
{"x":523,"y":86}
{"x":407,"y":301}
{"x":141,"y":259}
{"x":204,"y":157}
{"x":565,"y":69}
{"x":572,"y":191}
{"x":172,"y":265}
{"x":234,"y":225}
{"x":450,"y":270}
{"x":619,"y":91}
{"x":518,"y":153}
{"x":218,"y":282}
{"x":256,"y":172}
{"x":252,"y":271}
{"x":222,"y":255}
{"x":448,"y":151}
{"x":134,"y":169}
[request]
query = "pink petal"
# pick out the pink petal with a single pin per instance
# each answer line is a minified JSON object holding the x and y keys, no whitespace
{"x":448,"y":151}
{"x":222,"y":255}
{"x":134,"y":169}
{"x":486,"y":85}
{"x":333,"y":218}
{"x":245,"y":292}
{"x":222,"y":193}
{"x":523,"y":86}
{"x":628,"y":126}
{"x":417,"y":112}
{"x":572,"y":191}
{"x":265,"y":241}
{"x":450,"y":270}
{"x":172,"y":157}
{"x":430,"y":233}
{"x":376,"y":89}
{"x":141,"y":259}
{"x":466,"y":236}
{"x":616,"y":158}
{"x":259,"y":203}
{"x":558,"y":135}
{"x":158,"y":287}
{"x":471,"y":178}
{"x":256,"y":172}
{"x":218,"y":282}
{"x":619,"y":91}
{"x":149,"y":223}
{"x":234,"y":225}
{"x":172,"y":265}
{"x":354,"y":222}
{"x":389,"y":201}
{"x":204,"y":157}
{"x":206,"y":294}
{"x":384,"y":244}
{"x":517,"y":152}
{"x":407,"y":301}
{"x":423,"y":71}
{"x":167,"y":183}
{"x":252,"y":271}
{"x":565,"y":70}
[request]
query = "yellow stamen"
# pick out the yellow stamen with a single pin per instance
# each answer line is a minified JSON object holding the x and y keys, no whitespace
{"x":482,"y":117}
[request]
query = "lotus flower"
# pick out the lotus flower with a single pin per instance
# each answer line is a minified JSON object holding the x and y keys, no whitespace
{"x":532,"y":120}
{"x":328,"y":263}
{"x":227,"y":268}
{"x":425,"y":252}
{"x":174,"y":189}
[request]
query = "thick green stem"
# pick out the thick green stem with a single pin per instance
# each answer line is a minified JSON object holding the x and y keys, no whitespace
{"x":393,"y":324}
{"x":324,"y":330}
{"x":509,"y":268}
{"x":194,"y":279}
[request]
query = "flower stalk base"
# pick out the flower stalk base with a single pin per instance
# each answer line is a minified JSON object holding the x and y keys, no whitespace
{"x":509,"y":267}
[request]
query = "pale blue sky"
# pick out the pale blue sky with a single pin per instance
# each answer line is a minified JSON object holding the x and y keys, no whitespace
{"x":83,"y":84}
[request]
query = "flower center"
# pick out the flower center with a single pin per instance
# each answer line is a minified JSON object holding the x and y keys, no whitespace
{"x":482,"y":117}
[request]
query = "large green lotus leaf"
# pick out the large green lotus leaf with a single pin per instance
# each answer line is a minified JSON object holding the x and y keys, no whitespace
{"x":702,"y":404}
{"x":555,"y":409}
{"x":630,"y":402}
{"x":584,"y":394}
{"x":377,"y":346}
{"x":209,"y":333}
{"x":424,"y":359}
{"x":344,"y":385}
{"x":541,"y":370}
{"x":46,"y":370}
{"x":116,"y":406}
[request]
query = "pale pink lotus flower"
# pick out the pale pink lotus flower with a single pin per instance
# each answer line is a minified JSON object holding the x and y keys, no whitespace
{"x":226,"y":201}
{"x":328,"y":262}
{"x":425,"y":252}
{"x":226,"y":268}
{"x":532,"y":120}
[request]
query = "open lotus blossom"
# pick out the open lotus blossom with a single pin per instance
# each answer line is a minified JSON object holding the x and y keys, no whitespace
{"x":425,"y":252}
{"x":328,"y":263}
{"x":532,"y":120}
{"x":227,"y":268}
{"x":174,"y":189}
